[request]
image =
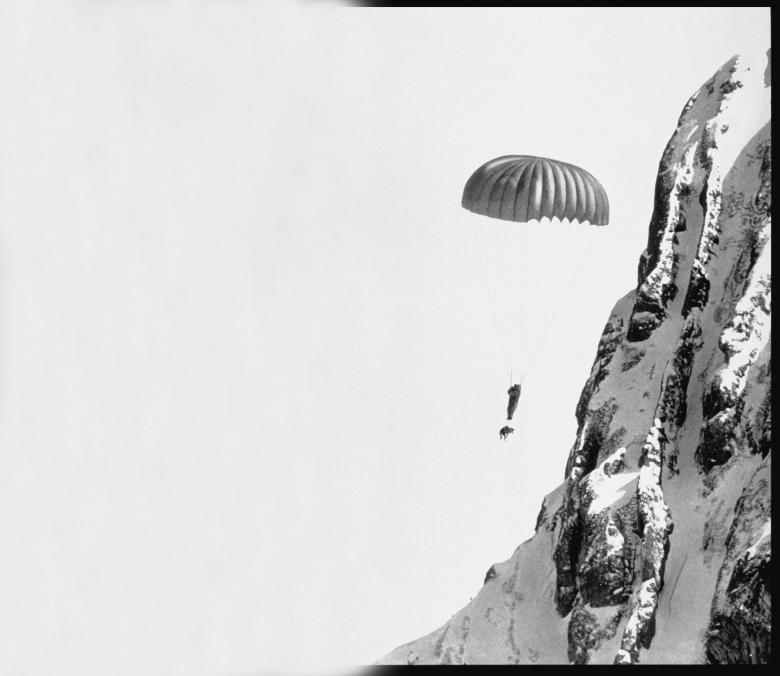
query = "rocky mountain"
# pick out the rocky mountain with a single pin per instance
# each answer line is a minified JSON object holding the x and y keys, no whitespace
{"x":656,"y":547}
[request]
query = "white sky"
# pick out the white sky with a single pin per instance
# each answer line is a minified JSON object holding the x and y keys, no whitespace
{"x":249,"y":382}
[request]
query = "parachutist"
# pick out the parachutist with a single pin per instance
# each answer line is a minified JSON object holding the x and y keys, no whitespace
{"x":505,"y":431}
{"x":514,"y":397}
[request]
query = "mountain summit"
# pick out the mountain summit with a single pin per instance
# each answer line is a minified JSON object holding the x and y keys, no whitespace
{"x":656,"y":547}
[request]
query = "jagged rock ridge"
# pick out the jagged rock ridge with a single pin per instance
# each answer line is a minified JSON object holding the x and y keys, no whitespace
{"x":656,"y":547}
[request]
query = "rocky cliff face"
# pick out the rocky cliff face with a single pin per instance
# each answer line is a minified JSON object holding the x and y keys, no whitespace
{"x":656,"y":547}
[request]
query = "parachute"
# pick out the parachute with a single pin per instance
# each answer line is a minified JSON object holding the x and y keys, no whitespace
{"x":520,"y":189}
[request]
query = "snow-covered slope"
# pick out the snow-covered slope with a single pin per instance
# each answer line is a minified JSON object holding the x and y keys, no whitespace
{"x":656,"y":547}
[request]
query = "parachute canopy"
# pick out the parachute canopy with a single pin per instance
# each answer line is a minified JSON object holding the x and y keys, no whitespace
{"x":523,"y":188}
